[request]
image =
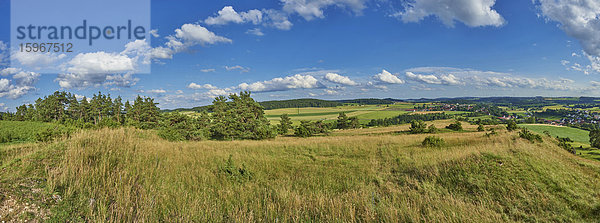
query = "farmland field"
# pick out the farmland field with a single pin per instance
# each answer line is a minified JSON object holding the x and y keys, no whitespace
{"x":363,"y":112}
{"x":579,"y":136}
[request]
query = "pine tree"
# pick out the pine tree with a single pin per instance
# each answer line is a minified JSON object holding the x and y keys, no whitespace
{"x":353,"y":123}
{"x":284,"y":124}
{"x":417,"y":126}
{"x":342,"y":121}
{"x":117,"y":110}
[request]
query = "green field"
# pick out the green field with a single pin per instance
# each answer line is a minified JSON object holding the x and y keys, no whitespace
{"x":359,"y":175}
{"x":579,"y":136}
{"x":364,"y":112}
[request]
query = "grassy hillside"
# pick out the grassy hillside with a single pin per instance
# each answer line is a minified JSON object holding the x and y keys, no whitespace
{"x":17,"y":132}
{"x":377,"y":174}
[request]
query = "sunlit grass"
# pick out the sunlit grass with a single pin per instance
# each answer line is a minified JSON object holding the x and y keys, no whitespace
{"x":375,"y":174}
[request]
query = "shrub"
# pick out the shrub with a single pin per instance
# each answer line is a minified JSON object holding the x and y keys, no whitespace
{"x":565,"y":143}
{"x":284,"y":124}
{"x":511,"y":125}
{"x":417,"y":126}
{"x":433,"y":141}
{"x":456,"y":126}
{"x":6,"y":137}
{"x":480,"y":128}
{"x":526,"y":134}
{"x":547,"y":133}
{"x":491,"y":133}
{"x":308,"y":128}
{"x":303,"y":131}
{"x":50,"y":134}
{"x":432,"y":129}
{"x":595,"y":138}
{"x":175,"y":126}
{"x":233,"y":172}
{"x":171,"y":134}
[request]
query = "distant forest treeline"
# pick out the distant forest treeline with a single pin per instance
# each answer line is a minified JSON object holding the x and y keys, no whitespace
{"x":302,"y":103}
{"x":511,"y":102}
{"x":520,"y":102}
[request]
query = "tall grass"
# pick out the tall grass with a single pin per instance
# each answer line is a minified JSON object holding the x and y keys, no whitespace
{"x":132,"y":175}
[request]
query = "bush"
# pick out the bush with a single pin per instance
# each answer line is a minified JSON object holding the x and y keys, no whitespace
{"x":308,"y":128}
{"x":235,"y":173}
{"x":175,"y":126}
{"x":491,"y":133}
{"x":595,"y":138}
{"x":480,"y":128}
{"x":511,"y":125}
{"x":171,"y":134}
{"x":456,"y":126}
{"x":547,"y":133}
{"x":107,"y":122}
{"x":50,"y":134}
{"x":565,"y":143}
{"x":432,"y":129}
{"x":266,"y":132}
{"x":417,"y":126}
{"x":526,"y":134}
{"x":6,"y":137}
{"x":433,"y":141}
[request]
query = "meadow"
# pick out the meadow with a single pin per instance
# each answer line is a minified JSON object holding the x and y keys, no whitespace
{"x":19,"y":132}
{"x":361,"y":175}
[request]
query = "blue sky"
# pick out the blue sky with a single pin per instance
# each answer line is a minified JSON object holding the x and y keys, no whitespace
{"x":336,"y":49}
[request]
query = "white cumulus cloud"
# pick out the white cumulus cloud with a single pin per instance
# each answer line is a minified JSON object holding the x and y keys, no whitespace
{"x":472,"y":13}
{"x":91,"y":69}
{"x":388,"y":78}
{"x":339,"y":79}
{"x":201,"y":86}
{"x":297,"y":81}
{"x":229,"y":15}
{"x":196,"y":34}
{"x":311,"y":9}
{"x":477,"y":78}
{"x":579,"y":19}
{"x":21,"y":84}
{"x":36,"y":60}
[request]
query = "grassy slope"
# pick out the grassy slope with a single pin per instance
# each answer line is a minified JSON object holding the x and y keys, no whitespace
{"x":131,"y":175}
{"x":24,"y":131}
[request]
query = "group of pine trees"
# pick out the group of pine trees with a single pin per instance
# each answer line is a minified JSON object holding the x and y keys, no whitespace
{"x":310,"y":128}
{"x":233,"y":117}
{"x":100,"y":110}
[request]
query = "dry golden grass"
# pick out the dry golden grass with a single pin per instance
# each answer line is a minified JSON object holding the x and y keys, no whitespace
{"x":354,"y":175}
